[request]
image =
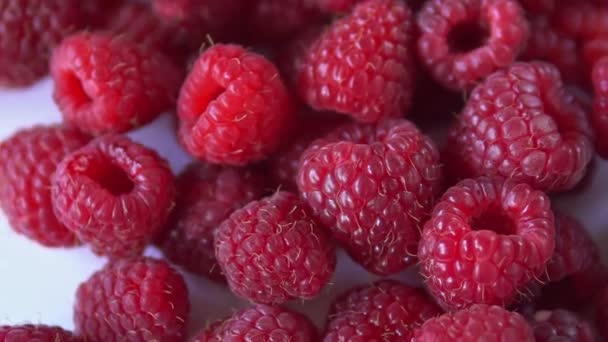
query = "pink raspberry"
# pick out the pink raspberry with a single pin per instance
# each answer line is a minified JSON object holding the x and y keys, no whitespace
{"x":561,"y":325}
{"x":36,"y":333}
{"x":599,"y":117}
{"x":486,"y":240}
{"x":372,"y":186}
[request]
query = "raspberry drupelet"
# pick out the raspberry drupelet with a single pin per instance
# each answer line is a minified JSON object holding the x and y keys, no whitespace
{"x":522,"y":123}
{"x":28,"y":160}
{"x":486,"y":240}
{"x":114,"y":194}
{"x":372,"y":186}
{"x":560,"y":325}
{"x":599,"y":118}
{"x":139,"y":300}
{"x":36,"y":333}
{"x":383,"y":311}
{"x":272,"y":251}
{"x":233,"y":107}
{"x":463,"y":41}
{"x":362,"y":65}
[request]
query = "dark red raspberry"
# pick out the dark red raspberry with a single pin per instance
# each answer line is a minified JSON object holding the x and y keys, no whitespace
{"x":561,"y":325}
{"x":98,"y":13}
{"x":261,"y":323}
{"x":233,"y":107}
{"x":384,"y":311}
{"x":523,"y":124}
{"x":28,"y":159}
{"x":272,"y":251}
{"x":582,"y":19}
{"x":139,"y":300}
{"x":486,"y":240}
{"x":30,"y":30}
{"x":594,"y":50}
{"x":206,"y":196}
{"x":337,"y":6}
{"x":114,"y":194}
{"x":538,"y":7}
{"x":477,"y":323}
{"x":372,"y":186}
{"x":107,"y":84}
{"x":599,"y":118}
{"x":278,"y":20}
{"x":36,"y":333}
{"x":290,"y":57}
{"x":463,"y":41}
{"x":362,"y":65}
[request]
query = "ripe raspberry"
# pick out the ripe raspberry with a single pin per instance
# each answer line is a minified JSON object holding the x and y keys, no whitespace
{"x":538,"y":7}
{"x":560,"y":325}
{"x":599,"y":118}
{"x":385,"y":311}
{"x":290,"y":58}
{"x":463,"y":41}
{"x":261,"y":323}
{"x":114,"y":194}
{"x":30,"y":30}
{"x":477,"y":323}
{"x":337,"y":6}
{"x":486,"y":239}
{"x":582,"y":19}
{"x":594,"y":50}
{"x":233,"y":107}
{"x":522,"y":123}
{"x":142,"y":300}
{"x":28,"y":159}
{"x":206,"y":196}
{"x":372,"y":186}
{"x":106,"y":84}
{"x":278,"y":20}
{"x":36,"y":333}
{"x":361,"y":65}
{"x":271,"y":251}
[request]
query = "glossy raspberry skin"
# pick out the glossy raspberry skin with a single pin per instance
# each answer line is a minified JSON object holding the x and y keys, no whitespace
{"x":384,"y":311}
{"x":30,"y":30}
{"x":372,"y":187}
{"x":144,"y":299}
{"x":114,"y":194}
{"x":261,"y":323}
{"x":206,"y":196}
{"x":599,"y":117}
{"x":561,"y":325}
{"x":477,"y":323}
{"x":464,"y":41}
{"x":486,"y":240}
{"x":107,"y":84}
{"x":35,"y":333}
{"x":523,"y":124}
{"x":277,"y":20}
{"x":28,"y":160}
{"x":362,"y":64}
{"x":272,"y":251}
{"x":233,"y":107}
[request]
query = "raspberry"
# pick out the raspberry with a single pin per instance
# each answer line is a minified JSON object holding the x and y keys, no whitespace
{"x":523,"y":124}
{"x":337,"y":6}
{"x":278,"y":20}
{"x":28,"y":159}
{"x":477,"y":323}
{"x":233,"y":107}
{"x":372,"y":186}
{"x":595,"y":49}
{"x":463,"y":41}
{"x":30,"y":30}
{"x":261,"y":323}
{"x":35,"y":333}
{"x":486,"y":239}
{"x":560,"y":325}
{"x":114,"y":194}
{"x":599,"y":118}
{"x":272,"y":251}
{"x":206,"y":196}
{"x":362,"y":65}
{"x":105,"y":84}
{"x":290,"y":58}
{"x":582,"y":19}
{"x":142,"y":299}
{"x":385,"y":311}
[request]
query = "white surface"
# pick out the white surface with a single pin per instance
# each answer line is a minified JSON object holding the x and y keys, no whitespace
{"x":37,"y":284}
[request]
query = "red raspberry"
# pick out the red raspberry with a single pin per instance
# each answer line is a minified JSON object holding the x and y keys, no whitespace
{"x":594,"y":50}
{"x":28,"y":159}
{"x":276,"y":20}
{"x":106,"y":84}
{"x":582,"y":19}
{"x":272,"y":251}
{"x":385,"y":311}
{"x":36,"y":333}
{"x":599,"y":118}
{"x":337,"y":6}
{"x":139,"y":300}
{"x":206,"y":196}
{"x":372,"y":186}
{"x":477,"y":323}
{"x":522,"y":123}
{"x":538,"y":7}
{"x":463,"y":41}
{"x":362,"y":65}
{"x":486,"y":240}
{"x":30,"y":30}
{"x":290,"y":58}
{"x":114,"y":194}
{"x":261,"y":323}
{"x":561,"y":325}
{"x":233,"y":107}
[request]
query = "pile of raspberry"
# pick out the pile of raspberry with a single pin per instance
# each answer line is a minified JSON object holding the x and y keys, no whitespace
{"x":428,"y":135}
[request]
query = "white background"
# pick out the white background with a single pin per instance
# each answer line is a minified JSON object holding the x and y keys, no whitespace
{"x":37,"y":284}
